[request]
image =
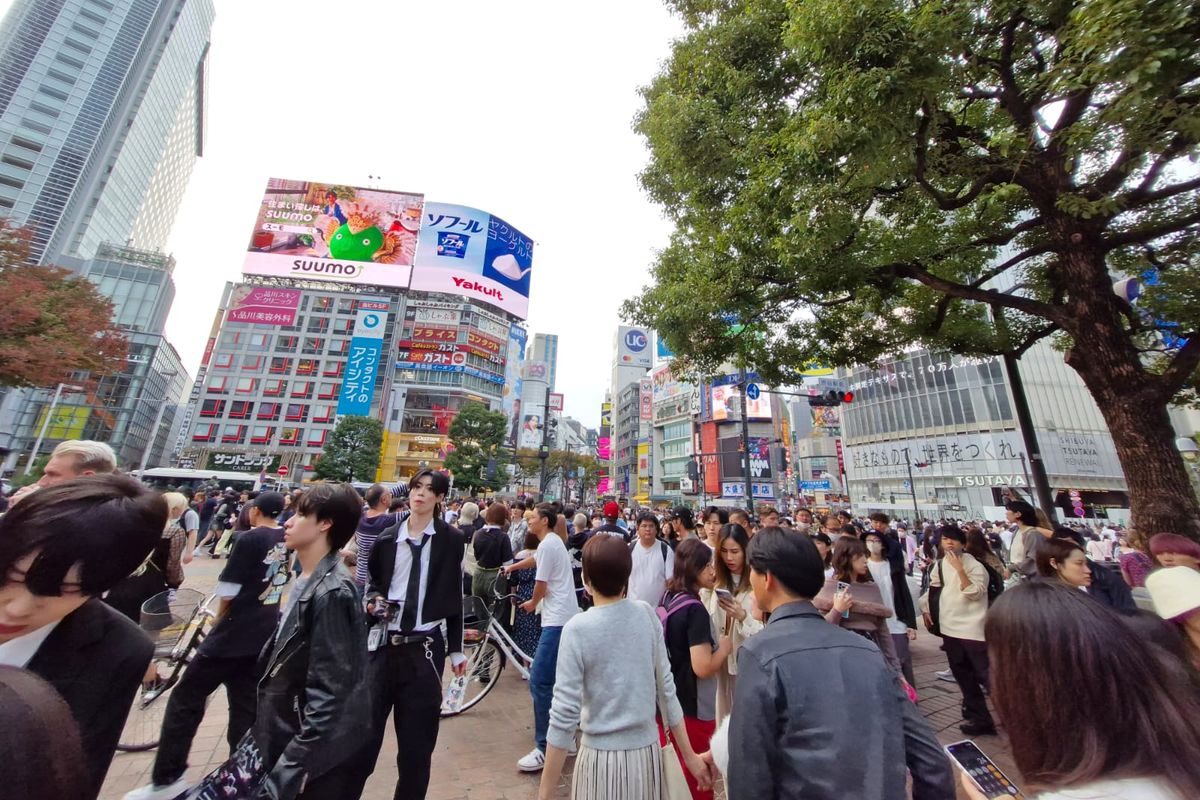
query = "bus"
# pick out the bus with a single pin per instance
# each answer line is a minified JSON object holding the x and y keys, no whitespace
{"x":162,"y":477}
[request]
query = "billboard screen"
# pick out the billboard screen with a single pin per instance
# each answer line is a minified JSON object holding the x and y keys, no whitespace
{"x":722,"y":401}
{"x":472,"y":253}
{"x":331,"y":232}
{"x":363,"y":360}
{"x":531,"y":432}
{"x":731,"y":458}
{"x":514,"y":382}
{"x":263,"y":305}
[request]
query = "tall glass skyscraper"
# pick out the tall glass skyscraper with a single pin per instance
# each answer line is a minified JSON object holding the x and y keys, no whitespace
{"x":101,"y":119}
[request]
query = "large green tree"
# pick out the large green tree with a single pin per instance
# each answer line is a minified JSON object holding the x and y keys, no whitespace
{"x":858,"y":177}
{"x":478,"y":437}
{"x":352,"y":452}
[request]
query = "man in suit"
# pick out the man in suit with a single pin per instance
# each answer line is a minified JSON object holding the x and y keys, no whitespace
{"x":414,"y":586}
{"x":60,"y":549}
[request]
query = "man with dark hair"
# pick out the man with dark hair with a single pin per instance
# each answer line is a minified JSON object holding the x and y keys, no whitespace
{"x":804,"y":520}
{"x":554,"y":587}
{"x":414,"y":587}
{"x":684,"y":525}
{"x":768,"y":517}
{"x":740,"y":517}
{"x":250,"y":588}
{"x":53,"y":571}
{"x":713,"y":518}
{"x":310,"y":711}
{"x":790,"y":736}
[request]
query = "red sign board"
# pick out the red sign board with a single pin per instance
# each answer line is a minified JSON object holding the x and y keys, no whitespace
{"x":283,"y":470}
{"x":837,"y":443}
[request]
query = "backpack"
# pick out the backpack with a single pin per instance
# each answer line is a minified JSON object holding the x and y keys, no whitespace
{"x":677,"y":603}
{"x":995,"y":584}
{"x":662,"y":549}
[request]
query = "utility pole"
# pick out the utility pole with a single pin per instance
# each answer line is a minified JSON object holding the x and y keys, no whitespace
{"x":912,"y":487}
{"x":746,"y":443}
{"x":544,"y":450}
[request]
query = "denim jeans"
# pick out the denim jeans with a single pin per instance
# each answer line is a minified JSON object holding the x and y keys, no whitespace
{"x":541,"y":682}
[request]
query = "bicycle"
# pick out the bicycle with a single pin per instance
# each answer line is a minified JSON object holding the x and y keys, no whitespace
{"x":488,"y":647}
{"x":178,"y":621}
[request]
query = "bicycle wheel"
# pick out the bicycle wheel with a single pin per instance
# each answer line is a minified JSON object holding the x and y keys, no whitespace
{"x":144,"y":723}
{"x":485,"y":662}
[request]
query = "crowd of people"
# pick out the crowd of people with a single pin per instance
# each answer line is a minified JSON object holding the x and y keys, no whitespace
{"x":675,"y":653}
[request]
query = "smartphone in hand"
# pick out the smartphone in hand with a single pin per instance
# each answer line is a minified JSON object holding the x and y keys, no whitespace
{"x":982,"y":771}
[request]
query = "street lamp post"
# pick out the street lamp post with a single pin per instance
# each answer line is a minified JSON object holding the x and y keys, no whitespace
{"x":37,"y":445}
{"x":912,"y":487}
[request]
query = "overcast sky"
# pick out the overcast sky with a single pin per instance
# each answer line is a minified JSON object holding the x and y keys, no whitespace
{"x":523,"y":109}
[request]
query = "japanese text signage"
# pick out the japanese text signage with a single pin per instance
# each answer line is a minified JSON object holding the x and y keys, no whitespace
{"x":263,"y":305}
{"x":471,"y":253}
{"x":362,"y":362}
{"x":965,"y":454}
{"x":762,"y":491}
{"x":327,"y":232}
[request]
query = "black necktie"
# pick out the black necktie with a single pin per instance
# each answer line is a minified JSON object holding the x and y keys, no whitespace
{"x":408,"y":619}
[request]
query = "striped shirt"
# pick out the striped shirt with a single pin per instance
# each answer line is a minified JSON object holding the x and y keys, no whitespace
{"x":368,"y":531}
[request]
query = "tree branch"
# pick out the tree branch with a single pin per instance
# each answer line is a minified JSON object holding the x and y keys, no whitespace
{"x":1027,"y":305}
{"x":1034,"y":337}
{"x":1148,"y":197}
{"x":1152,"y":232}
{"x":1181,"y":369}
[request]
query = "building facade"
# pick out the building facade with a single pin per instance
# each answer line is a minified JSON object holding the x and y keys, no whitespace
{"x":101,"y":119}
{"x":951,"y":421}
{"x":545,"y":348}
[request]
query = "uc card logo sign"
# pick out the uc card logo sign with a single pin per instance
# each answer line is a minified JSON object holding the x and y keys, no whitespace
{"x":636,"y":341}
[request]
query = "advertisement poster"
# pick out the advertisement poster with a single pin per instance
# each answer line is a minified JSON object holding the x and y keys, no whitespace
{"x":531,"y":432}
{"x":633,"y":346}
{"x":514,"y":381}
{"x":723,"y":400}
{"x":731,"y":458}
{"x":645,"y":399}
{"x":363,"y":360}
{"x":331,"y":232}
{"x":263,"y":305}
{"x":471,"y":253}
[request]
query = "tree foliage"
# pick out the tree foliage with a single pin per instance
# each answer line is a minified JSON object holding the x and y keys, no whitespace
{"x":52,"y":322}
{"x":478,"y":437}
{"x":854,"y":178}
{"x":561,"y":465}
{"x":352,"y":452}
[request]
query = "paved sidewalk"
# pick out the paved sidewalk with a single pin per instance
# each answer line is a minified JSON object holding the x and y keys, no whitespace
{"x":477,"y":752}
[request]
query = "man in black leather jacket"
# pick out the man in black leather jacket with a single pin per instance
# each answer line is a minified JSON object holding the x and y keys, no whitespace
{"x":793,"y":733}
{"x":310,"y":701}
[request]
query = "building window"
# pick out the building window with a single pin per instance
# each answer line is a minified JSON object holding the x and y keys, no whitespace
{"x":233,"y":434}
{"x":287,"y":344}
{"x":247,"y":386}
{"x":258,"y":341}
{"x":281,"y":365}
{"x":223,"y":361}
{"x":261,"y":434}
{"x":205,"y":432}
{"x":269,"y":410}
{"x":329,"y":391}
{"x":318,"y":324}
{"x":324,"y":414}
{"x":241,"y":409}
{"x":252,"y":363}
{"x":275,"y":388}
{"x":322,"y":304}
{"x":307,"y":366}
{"x":302,"y":389}
{"x":345,"y":305}
{"x":334,"y":369}
{"x":313,"y":345}
{"x":212,"y":408}
{"x":338,"y":347}
{"x":316,"y":437}
{"x":343,"y":325}
{"x":291,"y":436}
{"x":297,"y":412}
{"x":218,"y":385}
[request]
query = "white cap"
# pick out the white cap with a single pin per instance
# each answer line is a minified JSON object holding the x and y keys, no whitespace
{"x":1174,"y":590}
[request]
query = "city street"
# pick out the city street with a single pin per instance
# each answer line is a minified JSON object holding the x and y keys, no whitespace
{"x":477,"y":752}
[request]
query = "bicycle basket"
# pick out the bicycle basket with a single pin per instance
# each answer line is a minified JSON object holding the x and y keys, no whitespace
{"x":475,"y":611}
{"x":166,"y":615}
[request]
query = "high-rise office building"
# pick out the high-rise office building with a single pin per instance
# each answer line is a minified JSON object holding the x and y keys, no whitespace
{"x":101,"y":119}
{"x":545,"y":348}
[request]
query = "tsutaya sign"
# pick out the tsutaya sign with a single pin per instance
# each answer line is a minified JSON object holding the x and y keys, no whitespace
{"x":991,"y":480}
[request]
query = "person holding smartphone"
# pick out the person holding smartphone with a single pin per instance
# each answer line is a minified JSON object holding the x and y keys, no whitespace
{"x":731,"y":606}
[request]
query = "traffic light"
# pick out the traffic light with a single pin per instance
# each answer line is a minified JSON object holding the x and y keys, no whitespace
{"x":831,"y":398}
{"x":693,"y":471}
{"x":783,"y":459}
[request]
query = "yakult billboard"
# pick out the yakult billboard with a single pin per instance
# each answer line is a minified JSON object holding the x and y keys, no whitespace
{"x":471,"y":253}
{"x":331,"y":232}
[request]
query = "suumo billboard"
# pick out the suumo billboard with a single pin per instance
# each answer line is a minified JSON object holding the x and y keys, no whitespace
{"x":330,"y":232}
{"x":633,"y":346}
{"x":471,"y":253}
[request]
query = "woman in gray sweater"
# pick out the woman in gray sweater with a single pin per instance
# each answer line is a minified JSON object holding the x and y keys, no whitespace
{"x":612,"y":674}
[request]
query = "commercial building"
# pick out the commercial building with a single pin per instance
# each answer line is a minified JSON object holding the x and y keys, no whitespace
{"x":545,"y":348}
{"x":951,"y":420}
{"x":102,"y":107}
{"x":631,"y":361}
{"x":675,"y":410}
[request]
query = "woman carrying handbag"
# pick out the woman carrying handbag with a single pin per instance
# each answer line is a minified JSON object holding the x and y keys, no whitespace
{"x":620,"y":755}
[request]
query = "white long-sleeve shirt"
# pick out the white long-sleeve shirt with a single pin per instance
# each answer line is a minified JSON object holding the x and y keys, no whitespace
{"x":961,"y":612}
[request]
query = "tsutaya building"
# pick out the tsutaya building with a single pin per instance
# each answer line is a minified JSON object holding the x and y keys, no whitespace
{"x":956,"y":415}
{"x":427,"y":320}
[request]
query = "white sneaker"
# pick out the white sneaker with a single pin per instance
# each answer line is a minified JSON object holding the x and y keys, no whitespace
{"x":532,"y":762}
{"x":945,"y":675}
{"x":156,"y":792}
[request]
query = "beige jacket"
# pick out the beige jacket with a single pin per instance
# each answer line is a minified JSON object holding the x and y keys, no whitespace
{"x":740,"y":631}
{"x":961,"y":612}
